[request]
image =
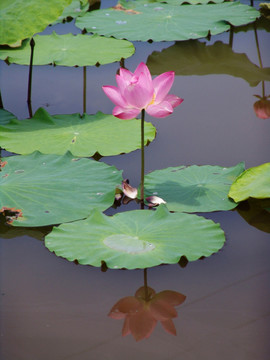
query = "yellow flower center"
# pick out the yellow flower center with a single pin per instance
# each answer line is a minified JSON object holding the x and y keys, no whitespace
{"x":153,"y":99}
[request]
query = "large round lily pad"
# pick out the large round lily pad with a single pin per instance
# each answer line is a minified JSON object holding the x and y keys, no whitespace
{"x":81,"y":135}
{"x":253,"y":183}
{"x":197,"y":58}
{"x":194,"y":188}
{"x":21,"y":19}
{"x":160,"y":22}
{"x":136,"y":239}
{"x":69,"y":50}
{"x":37,"y":190}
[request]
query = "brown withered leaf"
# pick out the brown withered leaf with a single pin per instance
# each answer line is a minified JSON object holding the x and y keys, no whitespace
{"x":11,"y":213}
{"x":119,"y":7}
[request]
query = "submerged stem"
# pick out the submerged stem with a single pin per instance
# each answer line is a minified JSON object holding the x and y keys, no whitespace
{"x":258,"y":46}
{"x":142,"y":158}
{"x":145,"y":284}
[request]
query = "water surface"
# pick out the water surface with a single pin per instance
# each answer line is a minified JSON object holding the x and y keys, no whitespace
{"x":54,"y":309}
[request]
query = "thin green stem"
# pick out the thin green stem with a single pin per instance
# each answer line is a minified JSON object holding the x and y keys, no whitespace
{"x":142,"y":158}
{"x":29,"y":93}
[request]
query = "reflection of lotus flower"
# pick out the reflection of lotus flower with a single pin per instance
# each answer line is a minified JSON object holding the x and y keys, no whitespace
{"x":137,"y":91}
{"x":141,"y":314}
{"x":262,"y":107}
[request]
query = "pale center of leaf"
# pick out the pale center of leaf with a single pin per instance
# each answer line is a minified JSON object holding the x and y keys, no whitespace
{"x":128,"y":244}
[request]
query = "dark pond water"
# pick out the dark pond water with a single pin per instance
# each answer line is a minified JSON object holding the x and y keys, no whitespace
{"x":54,"y":309}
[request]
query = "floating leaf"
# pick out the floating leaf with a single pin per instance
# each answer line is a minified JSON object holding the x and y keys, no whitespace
{"x":75,"y":9}
{"x":166,"y":22}
{"x":254,"y":183}
{"x":136,"y":239}
{"x":22,"y":19}
{"x":196,"y":58}
{"x":194,"y":188}
{"x":69,"y":50}
{"x":5,"y":117}
{"x":82,"y":136}
{"x":41,"y":189}
{"x":129,"y":4}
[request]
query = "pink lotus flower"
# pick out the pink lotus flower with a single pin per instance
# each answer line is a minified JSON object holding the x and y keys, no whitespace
{"x":137,"y":91}
{"x":141,"y":315}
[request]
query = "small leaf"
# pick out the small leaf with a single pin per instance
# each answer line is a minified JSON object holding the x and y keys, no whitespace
{"x":75,"y":9}
{"x":194,"y":188}
{"x":252,"y":183}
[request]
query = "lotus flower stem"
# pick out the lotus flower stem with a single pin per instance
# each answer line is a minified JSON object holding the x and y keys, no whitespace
{"x":29,"y":94}
{"x":142,"y":158}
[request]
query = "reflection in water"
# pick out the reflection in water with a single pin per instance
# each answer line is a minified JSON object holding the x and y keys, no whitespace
{"x":261,"y":106}
{"x":142,"y":311}
{"x":256,"y":213}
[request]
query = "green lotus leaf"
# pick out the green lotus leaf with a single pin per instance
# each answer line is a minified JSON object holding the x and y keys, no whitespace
{"x":256,"y":213}
{"x":160,"y":22}
{"x":81,"y":135}
{"x":136,"y":239}
{"x":22,"y":19}
{"x":131,"y":4}
{"x":5,"y":117}
{"x":75,"y":9}
{"x":252,"y":183}
{"x":69,"y":50}
{"x":41,"y":189}
{"x":194,"y":188}
{"x":196,"y":58}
